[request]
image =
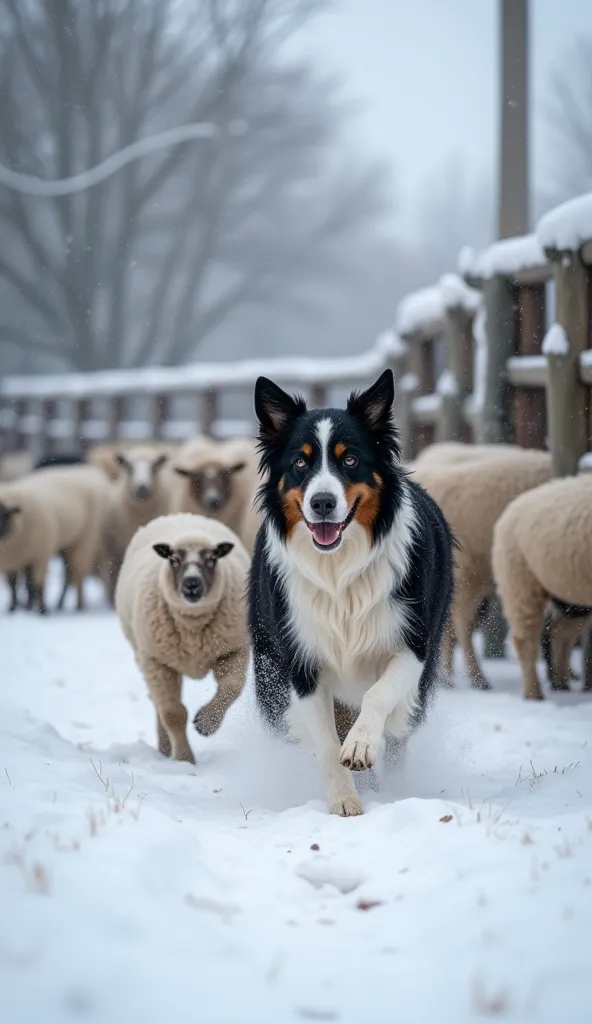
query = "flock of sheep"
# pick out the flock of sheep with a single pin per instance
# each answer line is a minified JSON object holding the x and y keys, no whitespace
{"x":519,"y":533}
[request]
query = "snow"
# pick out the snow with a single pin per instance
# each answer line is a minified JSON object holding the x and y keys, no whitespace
{"x":409,"y":382}
{"x":202,"y":376}
{"x":585,"y":463}
{"x":476,"y":400}
{"x":138,"y":889}
{"x":555,"y":342}
{"x":456,"y":294}
{"x":427,"y":405}
{"x":447,"y":384}
{"x":567,"y":226}
{"x":420,"y":310}
{"x":506,"y":257}
{"x":586,"y":357}
{"x":390,"y":345}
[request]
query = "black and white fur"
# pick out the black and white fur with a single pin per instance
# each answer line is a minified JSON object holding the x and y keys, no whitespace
{"x":360,"y":623}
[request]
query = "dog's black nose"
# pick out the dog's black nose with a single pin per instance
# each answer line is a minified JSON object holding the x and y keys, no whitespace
{"x":192,"y":588}
{"x":323,"y":503}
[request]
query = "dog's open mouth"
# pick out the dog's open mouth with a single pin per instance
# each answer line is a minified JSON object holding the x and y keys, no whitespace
{"x":326,"y":535}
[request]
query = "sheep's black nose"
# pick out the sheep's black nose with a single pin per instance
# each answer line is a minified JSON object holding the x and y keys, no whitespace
{"x":212,"y":504}
{"x":323,"y":503}
{"x":142,"y":492}
{"x":192,"y":588}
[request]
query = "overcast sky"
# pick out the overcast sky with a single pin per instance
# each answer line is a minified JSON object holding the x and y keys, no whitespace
{"x":426,"y":73}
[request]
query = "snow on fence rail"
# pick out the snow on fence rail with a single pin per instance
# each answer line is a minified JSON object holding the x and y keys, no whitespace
{"x":501,"y":352}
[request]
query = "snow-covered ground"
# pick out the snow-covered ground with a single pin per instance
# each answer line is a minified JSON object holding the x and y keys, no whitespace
{"x":136,"y":889}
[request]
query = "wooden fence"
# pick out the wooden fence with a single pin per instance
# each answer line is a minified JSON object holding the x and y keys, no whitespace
{"x":473,"y":357}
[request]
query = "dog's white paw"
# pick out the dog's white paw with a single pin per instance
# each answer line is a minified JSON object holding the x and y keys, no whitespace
{"x":346,"y":806}
{"x":359,"y":751}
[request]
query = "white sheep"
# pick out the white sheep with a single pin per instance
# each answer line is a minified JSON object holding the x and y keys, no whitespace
{"x":106,"y":456}
{"x":452,"y":453}
{"x":180,"y":598}
{"x":472,"y":496}
{"x":218,"y":479}
{"x":542,"y":551}
{"x":50,"y":512}
{"x":140,"y":493}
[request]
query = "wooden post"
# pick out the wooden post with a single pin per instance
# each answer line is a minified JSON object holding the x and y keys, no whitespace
{"x":45,"y":440}
{"x":159,"y":413}
{"x":80,"y":412}
{"x":318,"y":396}
{"x":408,"y":391}
{"x":209,"y":412}
{"x":495,"y":423}
{"x":567,"y":397}
{"x":114,"y":417}
{"x":459,"y":344}
{"x":449,"y":420}
{"x":15,"y":440}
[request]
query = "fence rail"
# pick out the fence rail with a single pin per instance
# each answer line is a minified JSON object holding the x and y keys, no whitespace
{"x":473,"y":357}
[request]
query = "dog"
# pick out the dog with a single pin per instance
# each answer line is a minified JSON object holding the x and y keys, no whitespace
{"x":350,"y":583}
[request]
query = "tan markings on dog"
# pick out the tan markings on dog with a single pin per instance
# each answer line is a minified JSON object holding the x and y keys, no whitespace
{"x":292,"y":503}
{"x":377,"y":479}
{"x":340,"y":448}
{"x":281,"y":485}
{"x":307,"y":449}
{"x":368,"y":500}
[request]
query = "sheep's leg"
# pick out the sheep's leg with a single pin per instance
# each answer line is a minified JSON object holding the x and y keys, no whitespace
{"x":164,"y":743}
{"x":12,"y":578}
{"x":523,"y":601}
{"x":164,"y":685}
{"x":35,"y":585}
{"x":563,"y":634}
{"x":467,"y":598}
{"x":230,"y":672}
{"x":62,"y":599}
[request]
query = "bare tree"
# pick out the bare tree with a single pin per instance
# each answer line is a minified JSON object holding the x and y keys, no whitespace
{"x":568,"y":124}
{"x":144,"y":266}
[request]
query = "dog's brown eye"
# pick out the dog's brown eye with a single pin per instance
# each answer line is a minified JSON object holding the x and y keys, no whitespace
{"x":300,"y":463}
{"x":350,"y":461}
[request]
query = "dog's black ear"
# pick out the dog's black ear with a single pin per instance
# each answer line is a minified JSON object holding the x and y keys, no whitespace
{"x":374,"y":405}
{"x":164,"y":550}
{"x":223,"y":549}
{"x":275,"y":408}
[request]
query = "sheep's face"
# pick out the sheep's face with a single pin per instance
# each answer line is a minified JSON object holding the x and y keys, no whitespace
{"x":141,"y":473}
{"x":7,"y":514}
{"x":193,"y":569}
{"x":211,"y":486}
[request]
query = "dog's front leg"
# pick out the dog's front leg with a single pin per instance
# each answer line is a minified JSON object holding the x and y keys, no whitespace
{"x":393,"y":695}
{"x":317,"y":720}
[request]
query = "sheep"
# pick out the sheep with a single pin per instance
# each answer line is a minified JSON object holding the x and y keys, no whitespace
{"x":542,"y":553}
{"x":50,"y":512}
{"x":15,"y":465}
{"x":105,"y":456}
{"x":139,"y":494}
{"x":472,"y":497}
{"x":452,"y":453}
{"x":180,"y":598}
{"x":218,"y":479}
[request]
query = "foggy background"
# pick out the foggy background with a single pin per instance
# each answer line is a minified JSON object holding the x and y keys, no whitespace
{"x":356,"y":156}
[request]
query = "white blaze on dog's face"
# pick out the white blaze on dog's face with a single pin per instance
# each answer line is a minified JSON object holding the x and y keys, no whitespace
{"x":325,"y":503}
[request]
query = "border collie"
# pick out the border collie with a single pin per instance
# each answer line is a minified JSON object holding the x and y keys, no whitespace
{"x":350,"y":584}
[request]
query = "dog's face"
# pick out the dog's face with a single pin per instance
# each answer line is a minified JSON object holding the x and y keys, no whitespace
{"x":328,"y":468}
{"x":7,"y":514}
{"x":211,"y":485}
{"x":193,"y":568}
{"x":141,"y":473}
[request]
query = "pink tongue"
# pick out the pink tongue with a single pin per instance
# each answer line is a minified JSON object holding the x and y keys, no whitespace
{"x":325,"y":534}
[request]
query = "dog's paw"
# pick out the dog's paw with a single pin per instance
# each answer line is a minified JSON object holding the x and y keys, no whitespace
{"x":346,"y":806}
{"x":358,"y":754}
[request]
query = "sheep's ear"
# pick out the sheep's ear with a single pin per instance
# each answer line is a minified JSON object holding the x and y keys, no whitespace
{"x":236,"y":468}
{"x":159,"y":462}
{"x":221,"y":550}
{"x":121,"y":460}
{"x":14,"y":510}
{"x":183,"y":472}
{"x":164,"y":550}
{"x":374,"y":405}
{"x":275,"y":408}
